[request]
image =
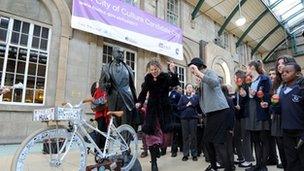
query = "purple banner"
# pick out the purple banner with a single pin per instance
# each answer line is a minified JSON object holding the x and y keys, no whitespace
{"x":126,"y":16}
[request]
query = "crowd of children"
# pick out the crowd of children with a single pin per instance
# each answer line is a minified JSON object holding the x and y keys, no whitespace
{"x":266,"y":110}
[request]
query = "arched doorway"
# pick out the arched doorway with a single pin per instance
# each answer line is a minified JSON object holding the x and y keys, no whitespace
{"x":220,"y":66}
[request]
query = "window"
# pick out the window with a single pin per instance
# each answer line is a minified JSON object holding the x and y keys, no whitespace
{"x":172,"y":11}
{"x":130,"y":60}
{"x":240,"y":52}
{"x":132,"y":2}
{"x":225,"y":40}
{"x":222,"y":40}
{"x":23,"y":58}
{"x":107,"y":54}
{"x":129,"y":57}
{"x":181,"y":75}
{"x":289,"y":12}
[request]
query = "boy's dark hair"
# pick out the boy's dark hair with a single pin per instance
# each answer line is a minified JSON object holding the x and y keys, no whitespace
{"x":272,"y":69}
{"x":300,"y":79}
{"x":258,"y":65}
{"x":278,"y":80}
{"x":240,"y":74}
{"x":188,"y":84}
{"x":295,"y":65}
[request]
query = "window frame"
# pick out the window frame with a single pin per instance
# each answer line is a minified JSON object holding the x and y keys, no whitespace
{"x":225,"y":40}
{"x":132,"y":3}
{"x":178,"y":74}
{"x":29,"y":48}
{"x":167,"y":14}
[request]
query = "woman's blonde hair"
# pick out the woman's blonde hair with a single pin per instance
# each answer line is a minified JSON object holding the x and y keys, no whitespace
{"x":154,"y":63}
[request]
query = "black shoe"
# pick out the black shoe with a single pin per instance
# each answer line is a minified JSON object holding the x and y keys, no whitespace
{"x":280,"y":166}
{"x":173,"y":154}
{"x":239,"y":161}
{"x":194,"y":158}
{"x":219,"y":166}
{"x":253,"y":168}
{"x":245,"y":164}
{"x":209,"y":168}
{"x":270,"y":162}
{"x":144,"y":154}
{"x":263,"y":168}
{"x":185,"y":158}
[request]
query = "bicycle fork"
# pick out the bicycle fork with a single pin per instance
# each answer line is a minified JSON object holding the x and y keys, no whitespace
{"x":57,"y":160}
{"x":107,"y":137}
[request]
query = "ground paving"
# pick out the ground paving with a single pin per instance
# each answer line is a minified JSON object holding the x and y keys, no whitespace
{"x":165,"y":163}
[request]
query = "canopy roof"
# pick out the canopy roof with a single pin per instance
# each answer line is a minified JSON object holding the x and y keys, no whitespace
{"x":269,"y":22}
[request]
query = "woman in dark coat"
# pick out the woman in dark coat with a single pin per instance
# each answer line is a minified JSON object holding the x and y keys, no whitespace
{"x":158,"y":116}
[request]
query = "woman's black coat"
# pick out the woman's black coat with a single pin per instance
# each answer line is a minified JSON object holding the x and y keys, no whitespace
{"x":158,"y":107}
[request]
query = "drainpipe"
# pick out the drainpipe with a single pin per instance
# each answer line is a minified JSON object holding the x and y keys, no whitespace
{"x":156,"y":8}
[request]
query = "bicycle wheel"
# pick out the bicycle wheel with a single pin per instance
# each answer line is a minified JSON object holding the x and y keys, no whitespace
{"x":43,"y":149}
{"x":126,"y":152}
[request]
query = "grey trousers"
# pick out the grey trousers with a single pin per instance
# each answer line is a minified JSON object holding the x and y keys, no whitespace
{"x":242,"y":141}
{"x":246,"y":141}
{"x":189,"y":128}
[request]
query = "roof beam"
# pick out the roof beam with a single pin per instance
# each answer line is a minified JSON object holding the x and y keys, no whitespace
{"x":297,"y":28}
{"x":256,"y":21}
{"x":251,"y":26}
{"x":274,"y":49}
{"x":269,"y":8}
{"x":235,"y":10}
{"x":276,"y":3}
{"x":293,"y":15}
{"x":264,"y":39}
{"x":196,"y":9}
{"x":290,"y":9}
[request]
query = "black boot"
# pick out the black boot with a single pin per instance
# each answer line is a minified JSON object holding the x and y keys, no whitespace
{"x":163,"y":151}
{"x":154,"y":166}
{"x":154,"y":152}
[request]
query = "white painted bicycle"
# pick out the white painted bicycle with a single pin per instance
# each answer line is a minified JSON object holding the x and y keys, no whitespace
{"x":60,"y":147}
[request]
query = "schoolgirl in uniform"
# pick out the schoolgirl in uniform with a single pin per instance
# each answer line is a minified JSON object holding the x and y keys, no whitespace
{"x":292,"y":111}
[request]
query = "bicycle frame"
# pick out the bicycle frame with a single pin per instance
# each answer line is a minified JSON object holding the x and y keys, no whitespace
{"x":107,"y":135}
{"x":79,"y":126}
{"x":63,"y":142}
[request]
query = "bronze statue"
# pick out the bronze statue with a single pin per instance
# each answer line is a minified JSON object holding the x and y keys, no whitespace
{"x":117,"y":80}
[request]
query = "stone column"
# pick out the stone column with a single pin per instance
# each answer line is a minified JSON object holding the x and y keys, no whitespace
{"x":66,"y":34}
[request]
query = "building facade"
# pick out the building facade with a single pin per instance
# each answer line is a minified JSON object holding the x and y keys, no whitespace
{"x":58,"y":64}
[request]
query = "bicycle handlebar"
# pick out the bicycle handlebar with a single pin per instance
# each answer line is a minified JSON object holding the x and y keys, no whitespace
{"x":71,"y":106}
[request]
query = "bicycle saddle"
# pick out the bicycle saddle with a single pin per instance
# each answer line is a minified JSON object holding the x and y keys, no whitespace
{"x":116,"y":113}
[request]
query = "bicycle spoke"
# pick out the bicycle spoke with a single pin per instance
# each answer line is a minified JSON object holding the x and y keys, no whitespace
{"x":45,"y":149}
